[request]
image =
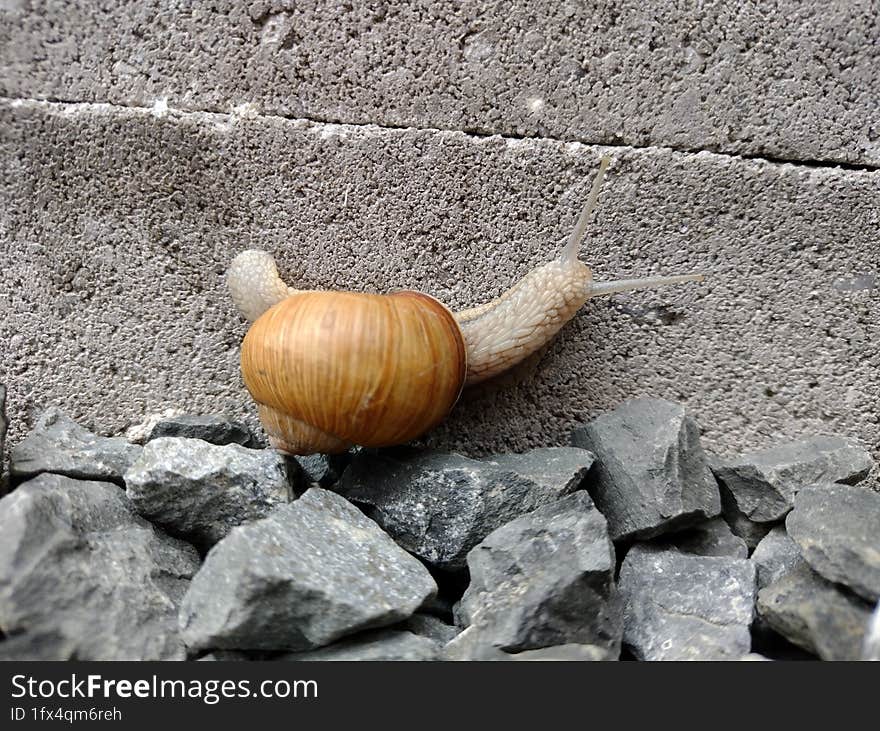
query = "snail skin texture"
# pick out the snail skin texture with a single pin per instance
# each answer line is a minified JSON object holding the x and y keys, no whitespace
{"x":329,"y":370}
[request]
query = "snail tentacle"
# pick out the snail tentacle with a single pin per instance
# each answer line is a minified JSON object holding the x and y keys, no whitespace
{"x":572,"y":248}
{"x":505,"y":331}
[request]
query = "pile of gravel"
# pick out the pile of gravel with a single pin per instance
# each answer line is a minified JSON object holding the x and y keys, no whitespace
{"x":632,"y":543}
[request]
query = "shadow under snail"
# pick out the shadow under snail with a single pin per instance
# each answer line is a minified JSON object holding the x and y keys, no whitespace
{"x":329,"y":370}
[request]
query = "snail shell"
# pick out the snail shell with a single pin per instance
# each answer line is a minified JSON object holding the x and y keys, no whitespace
{"x":332,"y":369}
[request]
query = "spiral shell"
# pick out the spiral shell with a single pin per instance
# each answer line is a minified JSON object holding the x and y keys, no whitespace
{"x":333,"y":369}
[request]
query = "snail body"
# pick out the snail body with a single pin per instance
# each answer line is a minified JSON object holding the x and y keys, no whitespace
{"x":332,"y":369}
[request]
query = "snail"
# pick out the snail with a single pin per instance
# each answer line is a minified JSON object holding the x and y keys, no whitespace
{"x":329,"y":370}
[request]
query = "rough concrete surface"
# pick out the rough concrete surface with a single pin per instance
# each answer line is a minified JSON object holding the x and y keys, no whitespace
{"x":789,"y":79}
{"x":116,"y":225}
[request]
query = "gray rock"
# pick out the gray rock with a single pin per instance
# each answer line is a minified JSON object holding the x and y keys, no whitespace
{"x":139,"y":430}
{"x":815,"y":615}
{"x":438,"y":506}
{"x":211,"y":428}
{"x":763,"y":484}
{"x":775,"y":556}
{"x":200,"y":491}
{"x":427,"y":625}
{"x":750,"y":531}
{"x":225,"y":656}
{"x":837,"y":528}
{"x":324,"y":469}
{"x":566,"y":653}
{"x":473,"y":645}
{"x":558,"y":469}
{"x":59,"y":445}
{"x":313,"y":571}
{"x":651,"y":475}
{"x":84,"y":576}
{"x":712,"y":538}
{"x":372,"y":646}
{"x":683,"y":607}
{"x":38,"y":645}
{"x":544,"y":579}
{"x":871,"y":645}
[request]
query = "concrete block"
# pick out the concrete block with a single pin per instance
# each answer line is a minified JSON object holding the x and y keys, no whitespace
{"x":787,"y":80}
{"x":116,"y":226}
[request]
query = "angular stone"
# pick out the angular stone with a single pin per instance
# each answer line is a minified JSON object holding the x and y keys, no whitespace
{"x":544,"y":579}
{"x":474,"y":645}
{"x":59,"y":445}
{"x":199,"y":491}
{"x":742,"y":527}
{"x":211,"y":428}
{"x":139,"y":431}
{"x":651,"y":475}
{"x":88,"y":577}
{"x":427,"y":625}
{"x":381,"y":645}
{"x":38,"y":645}
{"x":763,"y":484}
{"x":837,"y":528}
{"x":558,"y":469}
{"x":438,"y":506}
{"x":324,"y":469}
{"x":225,"y":656}
{"x":310,"y":573}
{"x":775,"y":557}
{"x":712,"y":538}
{"x":566,"y":653}
{"x":683,"y":607}
{"x":871,"y":645}
{"x":812,"y":613}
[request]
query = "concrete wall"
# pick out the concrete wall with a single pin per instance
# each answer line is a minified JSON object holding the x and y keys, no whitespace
{"x":447,"y":147}
{"x":792,"y":79}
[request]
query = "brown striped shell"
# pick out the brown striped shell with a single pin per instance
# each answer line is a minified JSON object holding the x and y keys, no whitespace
{"x":333,"y":369}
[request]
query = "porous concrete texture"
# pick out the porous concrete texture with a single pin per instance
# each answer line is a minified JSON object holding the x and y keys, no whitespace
{"x":789,"y":79}
{"x":119,"y":211}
